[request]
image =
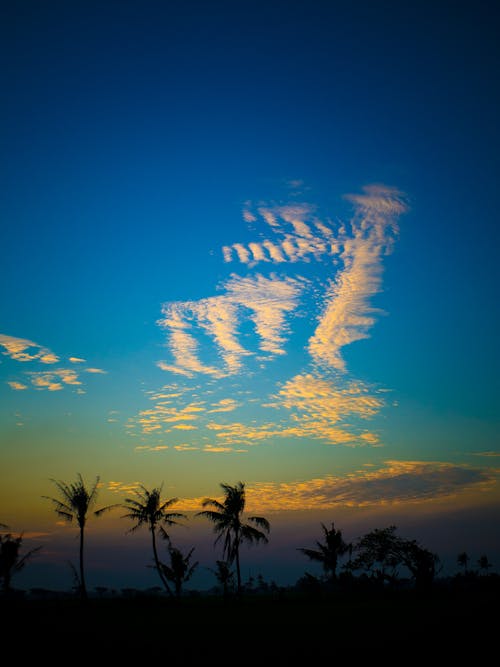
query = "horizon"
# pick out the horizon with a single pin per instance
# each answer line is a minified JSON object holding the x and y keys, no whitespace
{"x":256,"y":242}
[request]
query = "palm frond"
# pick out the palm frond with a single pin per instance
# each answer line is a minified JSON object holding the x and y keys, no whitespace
{"x":312,"y":554}
{"x":214,"y":503}
{"x":261,"y":521}
{"x":106,"y":509}
{"x":251,"y":534}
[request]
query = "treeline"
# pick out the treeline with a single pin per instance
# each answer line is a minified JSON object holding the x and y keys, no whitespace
{"x":375,"y":558}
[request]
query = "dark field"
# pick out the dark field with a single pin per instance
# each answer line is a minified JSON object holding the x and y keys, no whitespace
{"x":392,"y":628}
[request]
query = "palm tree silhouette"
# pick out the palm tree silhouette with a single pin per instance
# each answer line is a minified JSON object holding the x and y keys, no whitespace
{"x":484,"y":564}
{"x":10,"y":560}
{"x":180,"y":569}
{"x":74,"y":503}
{"x":227,"y":518}
{"x":150,"y":510}
{"x":463,"y":560}
{"x":328,"y":553}
{"x":224,"y":576}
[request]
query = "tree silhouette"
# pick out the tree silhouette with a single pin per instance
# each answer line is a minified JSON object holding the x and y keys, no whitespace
{"x":420,"y":562}
{"x":484,"y":564}
{"x":382,"y":551}
{"x":328,"y":553}
{"x":224,"y":576}
{"x":379,"y":553}
{"x":150,"y":510}
{"x":10,"y":560}
{"x":463,"y":560}
{"x":227,"y":518}
{"x":74,"y":503}
{"x":180,"y":569}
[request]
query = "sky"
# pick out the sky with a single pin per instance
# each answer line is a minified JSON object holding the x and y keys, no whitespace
{"x":250,"y":241}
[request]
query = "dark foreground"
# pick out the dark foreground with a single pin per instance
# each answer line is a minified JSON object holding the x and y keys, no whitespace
{"x":388,"y":628}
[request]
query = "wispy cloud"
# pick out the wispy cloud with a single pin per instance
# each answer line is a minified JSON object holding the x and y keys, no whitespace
{"x":265,"y":301}
{"x":19,"y":349}
{"x":163,"y":417}
{"x":396,"y":483}
{"x":54,"y":380}
{"x":313,"y":408}
{"x":347,"y":314}
{"x":17,"y":386}
{"x":224,"y":405}
{"x":219,"y":449}
{"x":123,"y":487}
{"x":299,"y":235}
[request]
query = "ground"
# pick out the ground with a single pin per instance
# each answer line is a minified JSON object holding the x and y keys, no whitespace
{"x":388,"y":627}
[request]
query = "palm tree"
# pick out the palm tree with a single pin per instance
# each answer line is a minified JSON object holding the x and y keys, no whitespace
{"x":227,"y":518}
{"x":74,"y":503}
{"x":328,"y":553}
{"x":484,"y":564}
{"x":150,"y":510}
{"x":180,"y":569}
{"x":10,"y":560}
{"x":463,"y":560}
{"x":224,"y":576}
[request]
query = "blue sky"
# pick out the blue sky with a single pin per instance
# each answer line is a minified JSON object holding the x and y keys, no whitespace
{"x":162,"y":163}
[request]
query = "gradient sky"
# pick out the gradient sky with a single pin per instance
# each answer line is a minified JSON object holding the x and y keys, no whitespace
{"x":252,"y":241}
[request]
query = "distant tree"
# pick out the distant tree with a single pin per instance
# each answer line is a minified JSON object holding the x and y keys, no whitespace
{"x":149,"y":509}
{"x":463,"y":560}
{"x":484,"y":564}
{"x":378,"y":553}
{"x":74,"y":503}
{"x":329,"y":552}
{"x":180,"y":570}
{"x":227,"y":518}
{"x":382,"y":551}
{"x":11,"y":561}
{"x":421,"y":562}
{"x":224,"y":576}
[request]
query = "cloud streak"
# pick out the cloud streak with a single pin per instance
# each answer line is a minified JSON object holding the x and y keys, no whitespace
{"x":347,"y":314}
{"x":19,"y":350}
{"x":55,"y":379}
{"x":396,"y":483}
{"x":264,"y":301}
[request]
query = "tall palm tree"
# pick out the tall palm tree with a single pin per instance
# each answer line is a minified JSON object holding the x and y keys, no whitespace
{"x":74,"y":503}
{"x":227,"y":518}
{"x":328,"y":553}
{"x":148,"y":509}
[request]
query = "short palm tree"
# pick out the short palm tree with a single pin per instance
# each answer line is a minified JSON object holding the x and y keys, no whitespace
{"x":74,"y":503}
{"x":148,"y":509}
{"x":180,"y":569}
{"x":224,"y":576}
{"x":328,"y":553}
{"x":484,"y":564}
{"x":463,"y":560}
{"x":227,"y":517}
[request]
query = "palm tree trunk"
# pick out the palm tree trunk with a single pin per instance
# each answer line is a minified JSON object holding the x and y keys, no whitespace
{"x":238,"y":573}
{"x":157,"y":563}
{"x":83,"y":588}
